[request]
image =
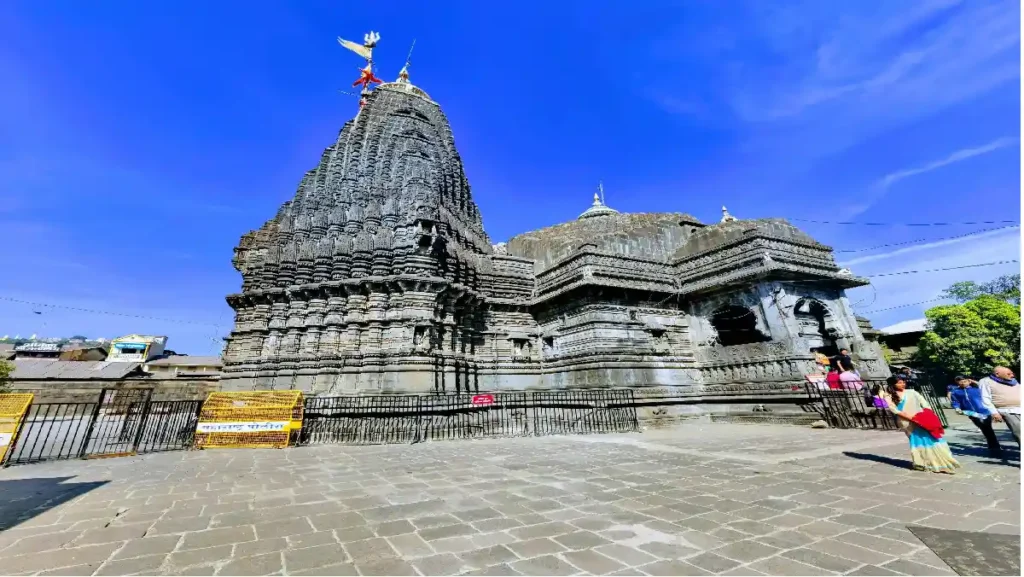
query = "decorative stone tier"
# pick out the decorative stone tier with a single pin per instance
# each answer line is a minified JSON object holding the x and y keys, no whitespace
{"x":378,"y":276}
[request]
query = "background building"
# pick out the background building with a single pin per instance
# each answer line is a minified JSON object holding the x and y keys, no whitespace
{"x":181,"y":365}
{"x":136,"y":348}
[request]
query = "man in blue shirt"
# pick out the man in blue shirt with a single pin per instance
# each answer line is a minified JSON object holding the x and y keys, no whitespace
{"x":965,"y":398}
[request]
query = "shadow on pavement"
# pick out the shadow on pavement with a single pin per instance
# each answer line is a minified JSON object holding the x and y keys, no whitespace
{"x":902,"y":463}
{"x":970,"y":448}
{"x":23,"y":499}
{"x":971,"y":553}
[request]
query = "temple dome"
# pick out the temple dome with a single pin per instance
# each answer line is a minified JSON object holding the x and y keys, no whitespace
{"x":598,"y":209}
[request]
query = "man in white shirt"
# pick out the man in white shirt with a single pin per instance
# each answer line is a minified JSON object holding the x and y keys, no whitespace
{"x":1000,"y":393}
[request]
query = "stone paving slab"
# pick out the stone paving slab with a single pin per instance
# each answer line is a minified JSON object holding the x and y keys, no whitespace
{"x":695,"y":499}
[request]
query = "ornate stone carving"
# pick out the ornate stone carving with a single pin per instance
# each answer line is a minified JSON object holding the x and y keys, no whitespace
{"x":380,"y":266}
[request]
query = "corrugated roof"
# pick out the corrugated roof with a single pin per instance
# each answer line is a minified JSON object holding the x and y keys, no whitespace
{"x":187,"y":361}
{"x":55,"y":369}
{"x":911,"y":326}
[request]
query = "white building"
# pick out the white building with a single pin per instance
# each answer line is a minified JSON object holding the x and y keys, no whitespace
{"x":136,"y":348}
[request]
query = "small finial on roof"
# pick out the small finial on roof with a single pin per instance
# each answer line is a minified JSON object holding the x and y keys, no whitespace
{"x":598,"y":208}
{"x":403,"y":74}
{"x":726,"y":217}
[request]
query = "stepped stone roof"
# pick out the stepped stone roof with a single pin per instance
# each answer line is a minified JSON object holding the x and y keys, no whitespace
{"x":650,"y":235}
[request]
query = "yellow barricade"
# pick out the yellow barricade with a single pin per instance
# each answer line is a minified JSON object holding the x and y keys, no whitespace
{"x":256,"y":419}
{"x":13,"y":407}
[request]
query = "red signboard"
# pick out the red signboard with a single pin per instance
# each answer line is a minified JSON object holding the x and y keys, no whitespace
{"x":483,"y":399}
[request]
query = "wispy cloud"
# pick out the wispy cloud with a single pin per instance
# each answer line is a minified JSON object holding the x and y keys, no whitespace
{"x":835,"y":78}
{"x":1012,"y":233}
{"x":958,"y":156}
{"x":880,"y":188}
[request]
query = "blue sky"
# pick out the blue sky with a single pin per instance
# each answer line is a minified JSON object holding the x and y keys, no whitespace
{"x":138,"y":141}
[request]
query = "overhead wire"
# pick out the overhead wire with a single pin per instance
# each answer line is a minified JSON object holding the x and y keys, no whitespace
{"x":112,"y":313}
{"x":897,"y":223}
{"x":983,"y":231}
{"x":902,"y":272}
{"x":908,"y":305}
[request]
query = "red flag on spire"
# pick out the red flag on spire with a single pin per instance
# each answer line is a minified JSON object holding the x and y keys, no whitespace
{"x":366,"y":77}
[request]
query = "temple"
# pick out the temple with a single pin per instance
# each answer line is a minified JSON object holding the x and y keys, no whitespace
{"x":378,"y":277}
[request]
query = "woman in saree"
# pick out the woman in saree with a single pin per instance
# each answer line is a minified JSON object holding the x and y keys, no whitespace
{"x":926,"y":452}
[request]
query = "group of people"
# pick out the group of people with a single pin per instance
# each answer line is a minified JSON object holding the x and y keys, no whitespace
{"x":994,"y":398}
{"x":841,"y":372}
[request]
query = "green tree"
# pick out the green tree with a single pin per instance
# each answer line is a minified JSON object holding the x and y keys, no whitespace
{"x":1006,"y":287}
{"x":6,"y":369}
{"x":972,"y":337}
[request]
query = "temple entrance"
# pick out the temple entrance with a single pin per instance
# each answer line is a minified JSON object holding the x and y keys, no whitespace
{"x":736,"y":325}
{"x":817,"y":326}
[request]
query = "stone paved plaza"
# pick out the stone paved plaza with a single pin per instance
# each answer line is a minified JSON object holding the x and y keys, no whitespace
{"x":696,"y":499}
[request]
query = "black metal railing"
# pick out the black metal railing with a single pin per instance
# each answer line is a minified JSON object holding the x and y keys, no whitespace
{"x":52,"y":431}
{"x":169,"y":426}
{"x":853,"y":407}
{"x":474,"y":416}
{"x":412,"y":418}
{"x":119,"y":422}
{"x":574,"y":412}
{"x":360,"y":420}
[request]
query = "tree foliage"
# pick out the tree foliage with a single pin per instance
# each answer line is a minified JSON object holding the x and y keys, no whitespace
{"x":6,"y":369}
{"x":1006,"y":287}
{"x":972,"y":337}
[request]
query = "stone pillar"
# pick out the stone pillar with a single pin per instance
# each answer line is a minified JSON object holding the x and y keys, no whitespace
{"x":330,"y":345}
{"x":376,"y":310}
{"x":354,"y":320}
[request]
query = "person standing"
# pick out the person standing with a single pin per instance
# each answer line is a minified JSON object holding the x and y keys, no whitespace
{"x":926,"y":452}
{"x":843,"y":361}
{"x":1000,"y":394}
{"x":965,"y":398}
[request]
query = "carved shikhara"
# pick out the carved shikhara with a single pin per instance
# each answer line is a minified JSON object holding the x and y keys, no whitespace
{"x":378,"y":277}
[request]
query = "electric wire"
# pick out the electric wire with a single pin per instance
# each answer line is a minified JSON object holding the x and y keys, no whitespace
{"x":111,"y":313}
{"x":907,"y":305}
{"x":983,"y":231}
{"x":897,"y":223}
{"x":903,"y":272}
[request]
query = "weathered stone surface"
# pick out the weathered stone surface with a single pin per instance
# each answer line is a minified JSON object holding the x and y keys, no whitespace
{"x":377,"y":276}
{"x":697,"y":468}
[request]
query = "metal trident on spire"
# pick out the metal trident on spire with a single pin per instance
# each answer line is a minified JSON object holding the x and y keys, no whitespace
{"x":366,"y":75}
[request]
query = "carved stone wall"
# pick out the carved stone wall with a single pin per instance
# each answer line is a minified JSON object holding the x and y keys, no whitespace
{"x":378,"y":277}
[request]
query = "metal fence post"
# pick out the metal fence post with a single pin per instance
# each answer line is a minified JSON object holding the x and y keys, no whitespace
{"x":635,"y":420}
{"x":92,"y":423}
{"x":142,"y":423}
{"x":531,"y":407}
